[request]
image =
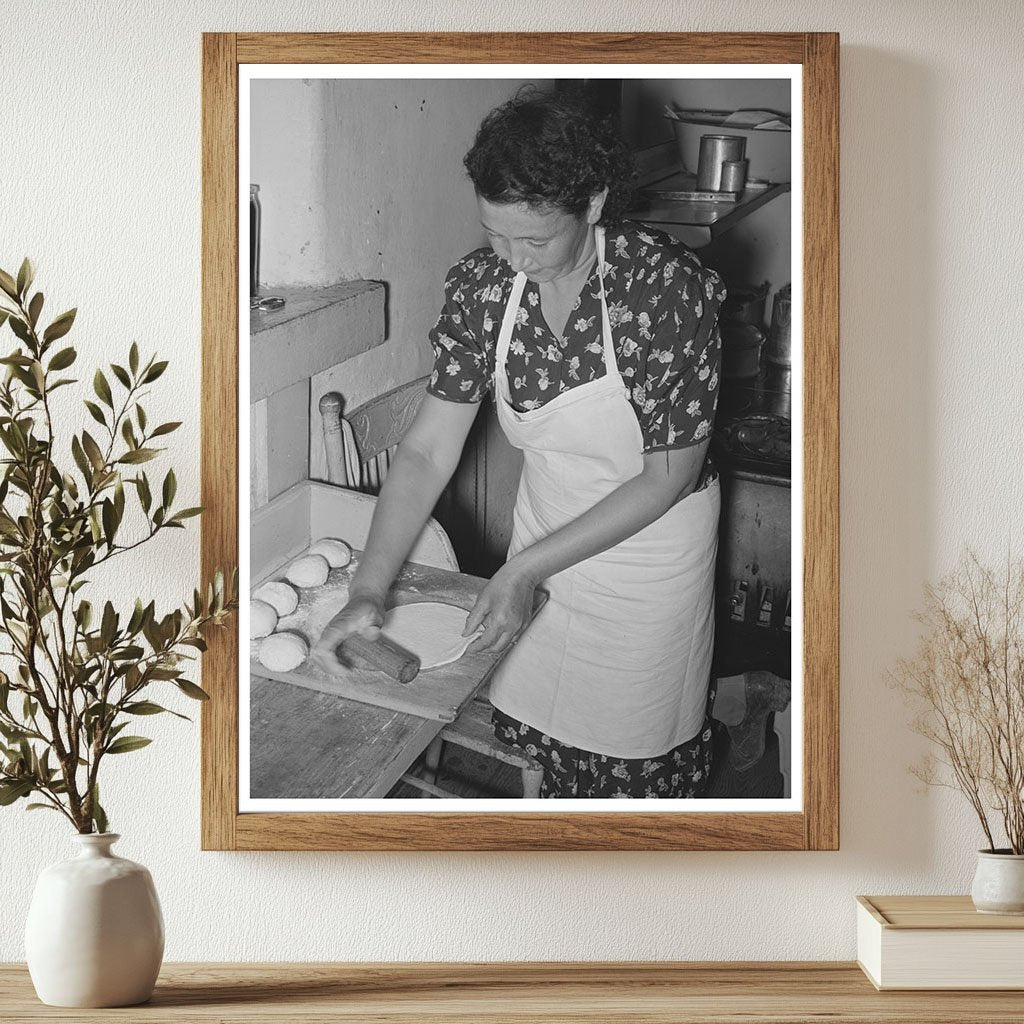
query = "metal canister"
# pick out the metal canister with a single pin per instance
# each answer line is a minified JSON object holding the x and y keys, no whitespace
{"x":255,"y":217}
{"x":716,"y":150}
{"x":734,"y":175}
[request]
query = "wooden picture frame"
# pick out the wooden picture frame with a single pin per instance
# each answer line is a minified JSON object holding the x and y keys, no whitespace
{"x":816,"y":826}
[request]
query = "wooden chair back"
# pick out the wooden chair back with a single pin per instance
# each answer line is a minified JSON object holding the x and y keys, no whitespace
{"x":359,"y":444}
{"x":358,"y":448}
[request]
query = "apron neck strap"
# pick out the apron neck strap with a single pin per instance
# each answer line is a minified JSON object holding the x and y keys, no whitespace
{"x":611,"y":365}
{"x":512,"y":307}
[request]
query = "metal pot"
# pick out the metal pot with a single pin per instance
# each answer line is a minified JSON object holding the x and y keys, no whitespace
{"x":741,"y":350}
{"x":779,"y":340}
{"x":778,"y":387}
{"x":746,"y":305}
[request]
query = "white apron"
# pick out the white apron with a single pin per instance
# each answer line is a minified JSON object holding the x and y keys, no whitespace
{"x":619,"y":659}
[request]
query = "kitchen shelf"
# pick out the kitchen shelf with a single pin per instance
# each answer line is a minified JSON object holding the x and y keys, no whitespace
{"x":696,"y":223}
{"x":314,"y":330}
{"x":522,"y":993}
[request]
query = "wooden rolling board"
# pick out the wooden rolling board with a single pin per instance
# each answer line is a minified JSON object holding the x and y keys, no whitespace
{"x":306,"y":745}
{"x":436,"y":694}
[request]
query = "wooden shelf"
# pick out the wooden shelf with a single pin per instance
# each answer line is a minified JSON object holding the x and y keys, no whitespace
{"x":315,"y":329}
{"x":524,"y":993}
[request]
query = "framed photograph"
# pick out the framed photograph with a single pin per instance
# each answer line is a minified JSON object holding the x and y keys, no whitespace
{"x":520,"y":419}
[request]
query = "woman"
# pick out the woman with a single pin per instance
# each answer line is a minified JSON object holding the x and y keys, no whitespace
{"x":601,"y":344}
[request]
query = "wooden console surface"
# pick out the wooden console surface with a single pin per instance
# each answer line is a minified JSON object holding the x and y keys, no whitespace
{"x":524,"y":993}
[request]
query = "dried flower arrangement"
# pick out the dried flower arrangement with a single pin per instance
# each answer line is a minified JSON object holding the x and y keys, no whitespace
{"x":967,"y":680}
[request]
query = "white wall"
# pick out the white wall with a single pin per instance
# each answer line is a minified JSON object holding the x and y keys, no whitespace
{"x":364,"y":179}
{"x":102,"y":187}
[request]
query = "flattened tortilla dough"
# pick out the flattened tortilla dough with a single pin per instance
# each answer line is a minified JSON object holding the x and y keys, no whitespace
{"x":430,"y":630}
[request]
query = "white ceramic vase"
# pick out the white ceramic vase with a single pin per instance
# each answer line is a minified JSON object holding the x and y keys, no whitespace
{"x":999,"y":882}
{"x":95,"y":933}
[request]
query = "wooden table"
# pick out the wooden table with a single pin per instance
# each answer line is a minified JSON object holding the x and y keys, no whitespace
{"x":793,"y":993}
{"x":337,"y":747}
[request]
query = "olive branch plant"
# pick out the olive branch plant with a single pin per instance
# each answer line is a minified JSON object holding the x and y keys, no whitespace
{"x":967,"y":682}
{"x":81,"y":673}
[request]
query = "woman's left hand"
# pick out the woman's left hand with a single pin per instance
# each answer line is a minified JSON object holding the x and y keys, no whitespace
{"x":503,"y":609}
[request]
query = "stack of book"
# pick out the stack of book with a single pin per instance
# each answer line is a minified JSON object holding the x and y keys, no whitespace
{"x":938,"y":942}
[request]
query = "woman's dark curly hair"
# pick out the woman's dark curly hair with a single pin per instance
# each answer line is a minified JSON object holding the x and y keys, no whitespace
{"x":551,"y":149}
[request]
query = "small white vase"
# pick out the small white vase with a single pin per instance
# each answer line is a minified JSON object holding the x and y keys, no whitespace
{"x":95,"y":933}
{"x":999,"y":882}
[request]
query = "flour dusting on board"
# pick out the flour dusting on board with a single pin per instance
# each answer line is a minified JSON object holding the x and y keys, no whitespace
{"x":317,"y":606}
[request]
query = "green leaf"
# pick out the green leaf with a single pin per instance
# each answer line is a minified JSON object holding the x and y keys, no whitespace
{"x":145,"y":498}
{"x":60,"y":326}
{"x":109,"y":518}
{"x":108,"y":626}
{"x":95,"y":412}
{"x":170,"y":488}
{"x":130,"y":653}
{"x":12,"y":733}
{"x":144,"y":707}
{"x":11,"y":791}
{"x":20,"y":328}
{"x":135,"y":622}
{"x":125,"y":744}
{"x":165,"y":428}
{"x":133,"y":358}
{"x":34,"y":309}
{"x":63,"y":359}
{"x":8,"y":284}
{"x":185,"y":513}
{"x":191,"y":690}
{"x":128,"y":433}
{"x":80,"y":459}
{"x":140,"y":415}
{"x":99,"y":817}
{"x":154,"y":372}
{"x":92,"y":449}
{"x":102,"y":388}
{"x":26,"y":273}
{"x":139,"y":455}
{"x":121,"y":374}
{"x":84,"y":614}
{"x":42,"y":807}
{"x":170,"y":674}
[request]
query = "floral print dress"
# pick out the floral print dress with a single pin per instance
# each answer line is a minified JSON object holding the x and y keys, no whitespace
{"x":663,"y":309}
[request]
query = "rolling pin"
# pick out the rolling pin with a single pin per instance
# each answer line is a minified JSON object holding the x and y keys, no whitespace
{"x":383,"y":654}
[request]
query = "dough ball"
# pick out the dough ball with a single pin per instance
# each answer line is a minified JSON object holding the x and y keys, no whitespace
{"x":337,"y":552}
{"x":283,"y":652}
{"x":279,"y":595}
{"x":262,"y":619}
{"x":308,"y":571}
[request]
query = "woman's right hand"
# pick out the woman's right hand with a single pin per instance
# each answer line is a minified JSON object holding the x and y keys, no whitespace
{"x":363,"y":615}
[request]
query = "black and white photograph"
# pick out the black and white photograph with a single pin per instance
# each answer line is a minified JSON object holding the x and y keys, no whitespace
{"x":518,"y":400}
